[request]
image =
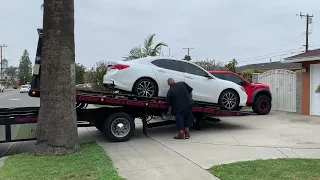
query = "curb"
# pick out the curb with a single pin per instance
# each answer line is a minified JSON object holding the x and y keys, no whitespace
{"x":3,"y":160}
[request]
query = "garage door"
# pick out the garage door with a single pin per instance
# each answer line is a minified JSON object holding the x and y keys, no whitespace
{"x":314,"y":83}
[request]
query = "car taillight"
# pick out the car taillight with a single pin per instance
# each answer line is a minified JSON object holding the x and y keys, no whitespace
{"x":119,"y":66}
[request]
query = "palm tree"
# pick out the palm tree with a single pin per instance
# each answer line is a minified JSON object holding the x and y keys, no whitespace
{"x":147,"y":50}
{"x":57,"y":128}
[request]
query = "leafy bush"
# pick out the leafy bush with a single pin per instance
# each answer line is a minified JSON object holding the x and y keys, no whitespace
{"x":318,"y":89}
{"x":247,"y":74}
{"x":15,"y":87}
{"x":95,"y":77}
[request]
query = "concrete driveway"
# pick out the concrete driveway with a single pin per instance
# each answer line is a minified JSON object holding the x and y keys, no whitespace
{"x":276,"y":135}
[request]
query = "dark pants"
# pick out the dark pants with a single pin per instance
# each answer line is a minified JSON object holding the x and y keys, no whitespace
{"x":184,"y":118}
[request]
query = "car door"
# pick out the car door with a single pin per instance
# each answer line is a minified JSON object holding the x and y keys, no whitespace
{"x":204,"y":88}
{"x":165,"y":69}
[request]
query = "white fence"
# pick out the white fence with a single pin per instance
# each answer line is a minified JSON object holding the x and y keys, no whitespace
{"x":283,"y":88}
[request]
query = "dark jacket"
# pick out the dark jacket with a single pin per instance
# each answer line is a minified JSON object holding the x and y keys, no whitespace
{"x":179,"y":96}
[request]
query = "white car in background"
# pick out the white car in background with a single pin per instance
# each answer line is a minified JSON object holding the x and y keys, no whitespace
{"x":25,"y":88}
{"x":1,"y":88}
{"x":148,"y":77}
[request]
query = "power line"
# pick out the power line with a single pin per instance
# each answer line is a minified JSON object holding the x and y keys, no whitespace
{"x":277,"y":51}
{"x":279,"y":55}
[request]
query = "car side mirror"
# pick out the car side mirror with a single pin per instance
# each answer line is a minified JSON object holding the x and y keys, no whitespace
{"x":208,"y":76}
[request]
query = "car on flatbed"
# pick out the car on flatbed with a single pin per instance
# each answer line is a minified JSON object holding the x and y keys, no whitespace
{"x":148,"y":77}
{"x":259,"y":95}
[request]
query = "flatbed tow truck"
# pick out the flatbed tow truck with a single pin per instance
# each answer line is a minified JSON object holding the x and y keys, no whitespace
{"x":116,"y":119}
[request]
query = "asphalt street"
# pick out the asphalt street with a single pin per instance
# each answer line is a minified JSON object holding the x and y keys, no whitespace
{"x":11,"y":99}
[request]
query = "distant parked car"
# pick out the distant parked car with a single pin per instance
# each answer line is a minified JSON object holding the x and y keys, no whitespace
{"x":259,"y":95}
{"x":1,"y":88}
{"x":148,"y":77}
{"x":25,"y":88}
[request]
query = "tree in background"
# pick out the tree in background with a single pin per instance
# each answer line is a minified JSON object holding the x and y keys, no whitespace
{"x":25,"y":68}
{"x":95,"y":76}
{"x":187,"y":58}
{"x":211,"y":65}
{"x":147,"y":50}
{"x":231,"y":66}
{"x":57,"y":131}
{"x":80,"y":71}
{"x":12,"y":72}
{"x":247,"y":74}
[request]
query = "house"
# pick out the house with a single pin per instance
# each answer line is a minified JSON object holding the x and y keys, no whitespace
{"x":310,"y":100}
{"x":270,"y":66}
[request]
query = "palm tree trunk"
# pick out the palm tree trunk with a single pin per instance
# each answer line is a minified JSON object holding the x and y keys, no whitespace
{"x":57,"y":128}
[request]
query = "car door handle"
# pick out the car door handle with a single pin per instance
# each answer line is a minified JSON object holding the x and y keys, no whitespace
{"x":161,"y":70}
{"x":189,"y":77}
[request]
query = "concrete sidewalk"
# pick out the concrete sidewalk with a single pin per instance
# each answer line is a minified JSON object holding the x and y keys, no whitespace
{"x":144,"y":158}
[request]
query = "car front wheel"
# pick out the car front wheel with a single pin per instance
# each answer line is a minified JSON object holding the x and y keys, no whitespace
{"x":145,"y":87}
{"x":262,"y":105}
{"x":229,"y":100}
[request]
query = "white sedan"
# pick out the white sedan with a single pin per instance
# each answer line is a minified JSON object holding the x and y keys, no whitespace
{"x":148,"y":77}
{"x":25,"y":88}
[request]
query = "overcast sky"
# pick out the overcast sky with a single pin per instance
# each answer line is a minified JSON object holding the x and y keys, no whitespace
{"x":220,"y":30}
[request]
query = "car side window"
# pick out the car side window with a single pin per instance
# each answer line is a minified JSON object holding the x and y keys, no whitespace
{"x":192,"y":69}
{"x":167,"y":64}
{"x":220,"y":76}
{"x":233,"y":78}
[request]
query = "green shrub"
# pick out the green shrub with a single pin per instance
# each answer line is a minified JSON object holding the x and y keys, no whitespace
{"x":318,"y":89}
{"x":15,"y":87}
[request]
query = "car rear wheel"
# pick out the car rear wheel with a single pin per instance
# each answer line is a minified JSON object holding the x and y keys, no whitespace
{"x":145,"y":87}
{"x":229,"y":100}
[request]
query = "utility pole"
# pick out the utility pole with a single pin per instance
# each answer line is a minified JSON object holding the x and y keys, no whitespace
{"x":308,"y":21}
{"x":188,"y":50}
{"x":1,"y":73}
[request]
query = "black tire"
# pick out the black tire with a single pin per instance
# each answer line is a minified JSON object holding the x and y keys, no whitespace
{"x":262,"y":105}
{"x":99,"y":125}
{"x":234,"y":94}
{"x":137,"y":84}
{"x":119,"y":116}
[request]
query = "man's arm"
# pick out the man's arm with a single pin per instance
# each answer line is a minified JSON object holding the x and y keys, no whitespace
{"x":169,"y":101}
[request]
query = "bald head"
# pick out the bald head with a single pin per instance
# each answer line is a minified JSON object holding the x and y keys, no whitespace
{"x":170,"y":81}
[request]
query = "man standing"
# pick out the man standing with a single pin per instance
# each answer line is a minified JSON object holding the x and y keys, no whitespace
{"x":180,"y":103}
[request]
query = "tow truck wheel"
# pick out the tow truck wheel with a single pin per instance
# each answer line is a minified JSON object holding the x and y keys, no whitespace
{"x":262,"y":105}
{"x":119,"y":127}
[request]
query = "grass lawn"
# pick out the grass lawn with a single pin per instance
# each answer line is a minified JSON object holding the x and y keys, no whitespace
{"x":275,"y":169}
{"x":90,"y":162}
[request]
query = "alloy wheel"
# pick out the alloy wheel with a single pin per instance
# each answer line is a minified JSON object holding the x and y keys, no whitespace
{"x":145,"y":89}
{"x":229,"y":100}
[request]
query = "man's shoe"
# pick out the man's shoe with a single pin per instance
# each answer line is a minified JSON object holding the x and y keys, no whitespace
{"x":179,"y":136}
{"x":187,"y":135}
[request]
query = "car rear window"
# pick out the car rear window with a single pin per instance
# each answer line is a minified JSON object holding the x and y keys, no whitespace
{"x":24,"y":86}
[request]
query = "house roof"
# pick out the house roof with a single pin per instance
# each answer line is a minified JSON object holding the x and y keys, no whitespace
{"x":269,"y":66}
{"x":311,"y":55}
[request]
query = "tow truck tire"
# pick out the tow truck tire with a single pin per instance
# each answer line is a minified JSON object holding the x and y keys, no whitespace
{"x":262,"y":105}
{"x":121,"y":121}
